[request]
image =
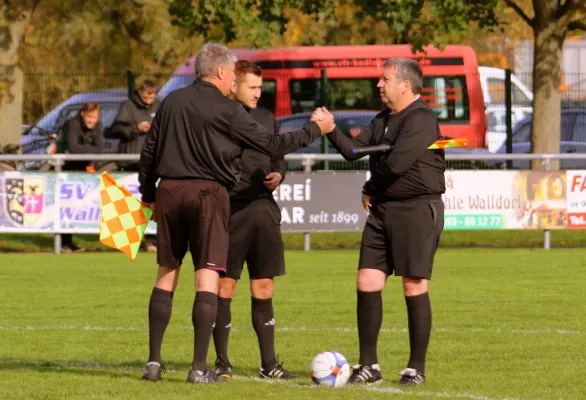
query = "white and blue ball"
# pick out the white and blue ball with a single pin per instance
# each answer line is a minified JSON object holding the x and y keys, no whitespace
{"x":329,"y":368}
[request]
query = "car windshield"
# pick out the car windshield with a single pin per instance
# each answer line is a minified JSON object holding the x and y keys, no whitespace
{"x":107,"y":113}
{"x":47,"y":123}
{"x":522,"y":133}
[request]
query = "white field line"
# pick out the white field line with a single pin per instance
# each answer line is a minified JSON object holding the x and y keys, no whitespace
{"x":296,"y":385}
{"x":378,"y":389}
{"x":291,"y":329}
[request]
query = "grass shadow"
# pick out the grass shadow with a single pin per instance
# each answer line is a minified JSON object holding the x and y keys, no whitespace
{"x":129,"y":370}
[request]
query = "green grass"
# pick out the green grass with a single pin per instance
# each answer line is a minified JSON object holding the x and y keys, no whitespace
{"x":337,"y":240}
{"x":506,"y":324}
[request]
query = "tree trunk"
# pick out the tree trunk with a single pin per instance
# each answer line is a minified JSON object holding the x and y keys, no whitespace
{"x":548,"y":45}
{"x":14,"y":19}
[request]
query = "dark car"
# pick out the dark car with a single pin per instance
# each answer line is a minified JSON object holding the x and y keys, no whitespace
{"x":350,"y":123}
{"x":37,"y":137}
{"x":572,"y":139}
{"x":574,"y":95}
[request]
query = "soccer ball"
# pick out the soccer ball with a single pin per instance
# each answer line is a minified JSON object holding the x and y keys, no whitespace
{"x":329,"y":368}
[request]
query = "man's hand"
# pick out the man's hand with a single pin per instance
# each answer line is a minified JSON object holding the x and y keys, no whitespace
{"x":366,"y":201}
{"x":144,"y":126}
{"x":272,"y":180}
{"x":324,"y":119}
{"x":153,"y":208}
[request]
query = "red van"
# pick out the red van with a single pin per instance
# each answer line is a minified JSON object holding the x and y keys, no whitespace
{"x":299,"y":79}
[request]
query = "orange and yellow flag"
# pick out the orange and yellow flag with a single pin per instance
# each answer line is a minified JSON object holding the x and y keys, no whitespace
{"x":448,"y":143}
{"x":123,"y":218}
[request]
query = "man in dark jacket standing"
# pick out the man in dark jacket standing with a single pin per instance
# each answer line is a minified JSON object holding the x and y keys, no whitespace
{"x":255,"y":235}
{"x":131,"y":125}
{"x":133,"y":121}
{"x":195,"y":148}
{"x":406,"y":215}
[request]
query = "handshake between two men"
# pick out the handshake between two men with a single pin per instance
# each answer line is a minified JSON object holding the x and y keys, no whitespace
{"x":324,"y":119}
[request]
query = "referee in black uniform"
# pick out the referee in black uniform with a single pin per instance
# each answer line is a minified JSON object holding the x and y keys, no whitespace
{"x":255,"y":235}
{"x":194,"y":146}
{"x":402,"y":231}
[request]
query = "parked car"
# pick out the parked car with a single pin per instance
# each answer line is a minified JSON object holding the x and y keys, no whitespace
{"x":38,"y":136}
{"x":350,"y":123}
{"x":572,"y":139}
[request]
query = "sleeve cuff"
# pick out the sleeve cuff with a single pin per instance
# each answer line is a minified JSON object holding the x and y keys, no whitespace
{"x":149,"y":196}
{"x":314,"y":130}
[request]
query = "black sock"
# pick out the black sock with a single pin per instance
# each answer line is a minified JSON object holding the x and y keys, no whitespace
{"x":203,"y":317}
{"x":370,"y":318}
{"x":222,"y":328}
{"x":263,"y":322}
{"x":159,"y":315}
{"x":419,"y":313}
{"x":66,"y":239}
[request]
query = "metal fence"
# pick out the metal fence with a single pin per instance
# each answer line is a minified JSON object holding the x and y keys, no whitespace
{"x":308,"y":161}
{"x":355,"y":101}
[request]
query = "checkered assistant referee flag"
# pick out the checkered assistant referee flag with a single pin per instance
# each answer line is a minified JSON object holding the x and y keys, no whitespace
{"x":123,"y":218}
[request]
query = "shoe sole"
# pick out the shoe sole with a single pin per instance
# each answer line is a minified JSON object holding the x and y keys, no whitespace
{"x":148,"y":378}
{"x":226,"y":376}
{"x":366,"y":383}
{"x":410,"y":384}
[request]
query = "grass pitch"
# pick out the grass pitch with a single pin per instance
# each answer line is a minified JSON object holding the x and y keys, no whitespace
{"x":507,"y":324}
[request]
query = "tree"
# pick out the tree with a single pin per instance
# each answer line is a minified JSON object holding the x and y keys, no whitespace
{"x":256,"y":23}
{"x":262,"y":22}
{"x":74,"y":46}
{"x":14,"y":19}
{"x":551,"y":22}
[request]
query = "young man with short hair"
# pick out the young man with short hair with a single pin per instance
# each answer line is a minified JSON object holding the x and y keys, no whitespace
{"x":255,"y":235}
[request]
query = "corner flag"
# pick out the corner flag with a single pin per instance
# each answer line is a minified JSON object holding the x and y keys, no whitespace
{"x":123,"y":218}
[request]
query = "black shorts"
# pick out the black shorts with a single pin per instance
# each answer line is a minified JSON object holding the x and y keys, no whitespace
{"x":255,"y":237}
{"x":401,"y":237}
{"x":194,"y":213}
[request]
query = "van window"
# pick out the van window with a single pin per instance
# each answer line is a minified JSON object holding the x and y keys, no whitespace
{"x":342,"y":94}
{"x":268,"y":95}
{"x":496,"y":89}
{"x":519,"y":98}
{"x":447,"y":97}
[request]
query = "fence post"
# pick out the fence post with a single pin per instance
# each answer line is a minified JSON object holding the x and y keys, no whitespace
{"x":509,"y":115}
{"x":306,"y":235}
{"x":130,"y":81}
{"x":547,"y":232}
{"x":325,"y":99}
{"x":306,"y":241}
{"x":57,"y":238}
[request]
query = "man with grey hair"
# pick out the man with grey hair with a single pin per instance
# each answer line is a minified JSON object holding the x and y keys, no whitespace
{"x":406,"y":214}
{"x":194,"y":146}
